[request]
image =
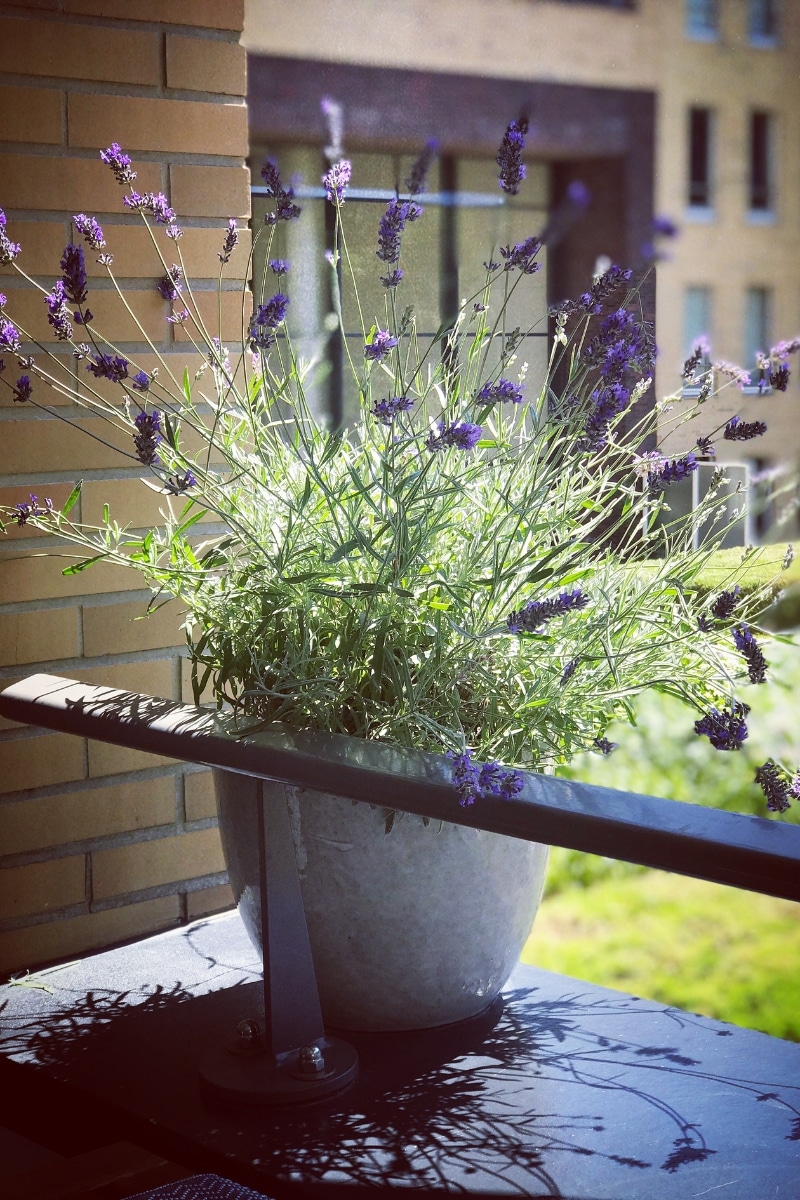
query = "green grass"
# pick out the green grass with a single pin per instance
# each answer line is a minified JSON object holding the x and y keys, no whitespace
{"x":727,"y":954}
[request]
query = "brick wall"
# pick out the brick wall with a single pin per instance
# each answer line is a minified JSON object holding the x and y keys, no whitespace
{"x":99,"y":844}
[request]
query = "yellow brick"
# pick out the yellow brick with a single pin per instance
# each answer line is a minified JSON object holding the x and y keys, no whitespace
{"x":11,"y":496}
{"x":27,"y":578}
{"x":151,"y":864}
{"x":152,"y":677}
{"x":32,"y":637}
{"x":89,"y":813}
{"x":68,"y":184}
{"x":42,"y":245}
{"x":111,"y":628}
{"x":29,"y":114}
{"x":106,"y":759}
{"x":52,"y":445}
{"x":210,"y":191}
{"x":33,"y":762}
{"x":130,"y":501}
{"x":198,"y":64}
{"x":199,"y":795}
{"x":41,"y":47}
{"x":38,"y":944}
{"x":59,"y":367}
{"x":111,"y":316}
{"x":139,"y":123}
{"x":208,"y":14}
{"x":209,"y":900}
{"x":40,"y":887}
{"x":136,"y":257}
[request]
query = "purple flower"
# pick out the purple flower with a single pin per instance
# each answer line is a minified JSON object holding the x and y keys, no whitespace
{"x":90,"y":229}
{"x":170,"y":286}
{"x":747,"y":645}
{"x":285,"y":208}
{"x":603,"y":287}
{"x":229,"y":244}
{"x":460,"y":434}
{"x":392,"y":278}
{"x":391,"y":226}
{"x":578,"y":194}
{"x":278,"y":266}
{"x":9,"y":336}
{"x":738,"y":374}
{"x":178,"y":318}
{"x":779,"y":378}
{"x":509,"y":156}
{"x":775,"y":787}
{"x":671,"y":472}
{"x":147,"y":437}
{"x":119,"y":163}
{"x":521,"y":256}
{"x":699,"y":355}
{"x":177,"y":484}
{"x":608,"y":403}
{"x":664,"y":227}
{"x":604,"y":745}
{"x":533,"y":616}
{"x":155,"y":203}
{"x":58,"y":314}
{"x":22,"y":389}
{"x":175,"y":232}
{"x":265,"y":319}
{"x":474,"y":780}
{"x":726,"y":728}
{"x":140,"y":382}
{"x":8,"y":249}
{"x":569,"y":671}
{"x":387,"y":410}
{"x":3,"y":299}
{"x":103,"y":366}
{"x":503,"y":390}
{"x":83,"y":318}
{"x":73,"y":265}
{"x":725,"y":603}
{"x":23,"y":512}
{"x":743,"y":431}
{"x":705,"y":447}
{"x":382,"y":342}
{"x":336,"y":180}
{"x":415,"y":181}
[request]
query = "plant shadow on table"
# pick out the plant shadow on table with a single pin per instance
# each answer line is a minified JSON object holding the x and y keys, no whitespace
{"x":509,"y":1100}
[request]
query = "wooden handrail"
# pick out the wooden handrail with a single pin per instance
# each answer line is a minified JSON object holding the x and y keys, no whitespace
{"x":728,"y":848}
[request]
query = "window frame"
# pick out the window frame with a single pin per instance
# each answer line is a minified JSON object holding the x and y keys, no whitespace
{"x":700,"y":185}
{"x":701,"y":20}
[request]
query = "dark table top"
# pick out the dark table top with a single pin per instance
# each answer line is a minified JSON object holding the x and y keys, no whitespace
{"x":560,"y":1089}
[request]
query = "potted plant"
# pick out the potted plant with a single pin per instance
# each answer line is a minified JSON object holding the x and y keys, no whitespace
{"x":481,"y":564}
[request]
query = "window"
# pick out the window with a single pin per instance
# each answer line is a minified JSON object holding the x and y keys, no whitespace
{"x":760,"y":161}
{"x":700,"y":121}
{"x":702,"y":18}
{"x":696,"y":317}
{"x":758,"y":303}
{"x":762,"y":21}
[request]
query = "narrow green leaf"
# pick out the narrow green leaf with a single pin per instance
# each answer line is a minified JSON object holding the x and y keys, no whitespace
{"x":72,"y":498}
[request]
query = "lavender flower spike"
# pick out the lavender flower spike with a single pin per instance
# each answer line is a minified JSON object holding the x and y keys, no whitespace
{"x":725,"y":728}
{"x":229,"y":244}
{"x":73,"y":264}
{"x":119,"y":163}
{"x":502,"y":390}
{"x":382,"y":342}
{"x":509,"y":156}
{"x":747,"y":645}
{"x":147,"y":437}
{"x":9,"y":336}
{"x":534,"y":615}
{"x":738,"y":430}
{"x":8,"y":249}
{"x":773,"y":784}
{"x":461,"y":434}
{"x":336,"y":180}
{"x":91,"y":231}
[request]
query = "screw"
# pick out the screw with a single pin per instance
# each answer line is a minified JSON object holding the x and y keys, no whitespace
{"x":310,"y":1060}
{"x":249,"y":1032}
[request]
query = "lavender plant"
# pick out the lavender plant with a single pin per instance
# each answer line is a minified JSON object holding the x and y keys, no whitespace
{"x":481,"y":564}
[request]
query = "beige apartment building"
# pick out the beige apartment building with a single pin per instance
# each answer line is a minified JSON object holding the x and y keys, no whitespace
{"x":721,"y":79}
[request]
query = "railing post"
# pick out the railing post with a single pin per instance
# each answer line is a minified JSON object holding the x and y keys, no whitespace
{"x":291,"y":1059}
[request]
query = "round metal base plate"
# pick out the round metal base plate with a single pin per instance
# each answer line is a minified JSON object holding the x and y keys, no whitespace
{"x":260,"y":1079}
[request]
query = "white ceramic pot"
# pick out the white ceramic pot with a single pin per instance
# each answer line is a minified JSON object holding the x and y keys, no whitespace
{"x":411,"y":929}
